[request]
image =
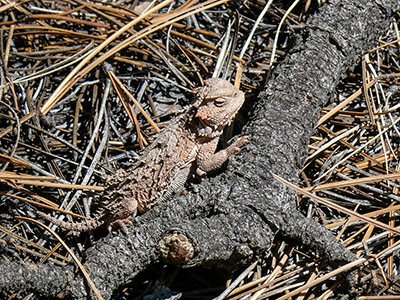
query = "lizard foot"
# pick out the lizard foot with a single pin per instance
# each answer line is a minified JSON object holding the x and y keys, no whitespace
{"x":120,"y":224}
{"x":236,"y":146}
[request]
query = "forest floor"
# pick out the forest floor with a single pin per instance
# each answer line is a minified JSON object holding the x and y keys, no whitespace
{"x":56,"y":60}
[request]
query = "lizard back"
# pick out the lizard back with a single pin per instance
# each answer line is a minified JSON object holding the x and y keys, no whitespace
{"x":161,"y":171}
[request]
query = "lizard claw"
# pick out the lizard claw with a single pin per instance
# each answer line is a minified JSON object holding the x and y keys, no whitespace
{"x":236,"y":146}
{"x":242,"y":141}
{"x":120,"y":224}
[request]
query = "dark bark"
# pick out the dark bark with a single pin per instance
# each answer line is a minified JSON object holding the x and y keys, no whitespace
{"x":234,"y":215}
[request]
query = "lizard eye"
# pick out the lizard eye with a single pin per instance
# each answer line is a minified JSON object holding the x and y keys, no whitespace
{"x":220,"y":101}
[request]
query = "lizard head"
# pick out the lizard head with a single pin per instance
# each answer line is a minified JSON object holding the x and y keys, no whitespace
{"x":217,"y":103}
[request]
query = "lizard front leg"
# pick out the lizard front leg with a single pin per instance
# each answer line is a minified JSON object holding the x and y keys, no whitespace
{"x":208,"y":160}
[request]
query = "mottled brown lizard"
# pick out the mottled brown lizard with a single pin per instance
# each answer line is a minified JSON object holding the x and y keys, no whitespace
{"x":185,"y":147}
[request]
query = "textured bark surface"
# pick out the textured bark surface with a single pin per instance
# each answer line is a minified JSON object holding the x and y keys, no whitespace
{"x":232,"y":216}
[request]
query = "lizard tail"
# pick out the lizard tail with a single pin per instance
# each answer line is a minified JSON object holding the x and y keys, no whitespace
{"x":80,"y":227}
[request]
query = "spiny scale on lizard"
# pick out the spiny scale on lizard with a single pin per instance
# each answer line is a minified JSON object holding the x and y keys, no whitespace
{"x":185,"y":147}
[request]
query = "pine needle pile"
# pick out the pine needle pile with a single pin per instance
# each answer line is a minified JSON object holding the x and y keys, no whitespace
{"x":85,"y":85}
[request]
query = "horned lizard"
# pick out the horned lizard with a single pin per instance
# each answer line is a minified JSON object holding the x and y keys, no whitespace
{"x":185,"y":147}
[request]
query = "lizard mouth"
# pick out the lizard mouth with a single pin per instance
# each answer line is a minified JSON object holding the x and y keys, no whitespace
{"x":210,"y":130}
